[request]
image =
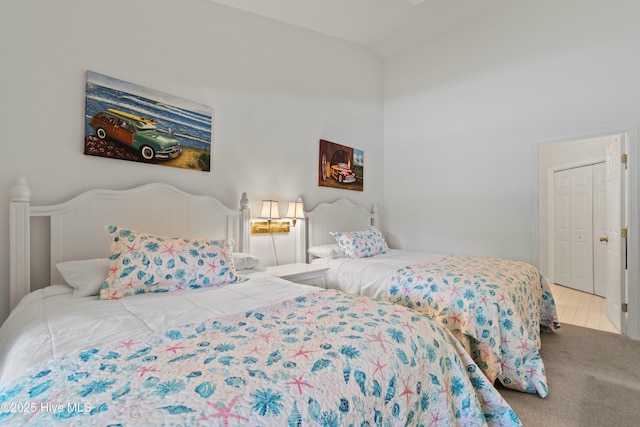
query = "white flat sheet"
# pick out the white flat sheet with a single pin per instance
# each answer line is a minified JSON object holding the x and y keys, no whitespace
{"x":368,"y":276}
{"x":51,"y":323}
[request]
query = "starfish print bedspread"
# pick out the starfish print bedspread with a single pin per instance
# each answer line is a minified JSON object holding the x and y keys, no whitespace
{"x":326,"y":358}
{"x":496,"y":307}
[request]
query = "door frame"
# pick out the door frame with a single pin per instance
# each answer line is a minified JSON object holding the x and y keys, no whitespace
{"x":599,"y":219}
{"x":540,"y":252}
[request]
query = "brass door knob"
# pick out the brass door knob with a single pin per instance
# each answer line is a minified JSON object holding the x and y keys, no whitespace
{"x":604,"y":239}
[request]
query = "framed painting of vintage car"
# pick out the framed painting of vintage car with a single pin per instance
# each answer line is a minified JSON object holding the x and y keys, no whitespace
{"x":130,"y":122}
{"x":340,"y":166}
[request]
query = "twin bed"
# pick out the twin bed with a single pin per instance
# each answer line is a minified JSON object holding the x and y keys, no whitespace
{"x":495,"y":307}
{"x":141,"y":327}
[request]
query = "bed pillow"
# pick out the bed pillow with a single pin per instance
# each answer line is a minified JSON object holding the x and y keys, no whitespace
{"x":246,"y":262}
{"x":326,"y":251}
{"x":361,"y":244}
{"x":84,"y":276}
{"x":143,"y":262}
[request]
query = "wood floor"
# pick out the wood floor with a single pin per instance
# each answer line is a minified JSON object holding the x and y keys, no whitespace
{"x":581,"y":309}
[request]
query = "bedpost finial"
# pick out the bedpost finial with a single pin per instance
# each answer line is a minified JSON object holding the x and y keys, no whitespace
{"x":244,"y":201}
{"x":20,"y":191}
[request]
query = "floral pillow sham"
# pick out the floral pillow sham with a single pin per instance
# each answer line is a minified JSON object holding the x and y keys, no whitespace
{"x":142,"y":262}
{"x":361,"y":244}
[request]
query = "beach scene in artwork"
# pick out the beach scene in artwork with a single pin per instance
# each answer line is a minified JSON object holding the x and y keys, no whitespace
{"x":130,"y":122}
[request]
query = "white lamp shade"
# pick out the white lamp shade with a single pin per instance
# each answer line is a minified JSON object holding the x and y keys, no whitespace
{"x":270,"y":209}
{"x":295,"y":210}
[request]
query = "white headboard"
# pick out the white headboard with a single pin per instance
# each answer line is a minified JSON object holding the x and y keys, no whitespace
{"x":77,"y":226}
{"x":341,"y":215}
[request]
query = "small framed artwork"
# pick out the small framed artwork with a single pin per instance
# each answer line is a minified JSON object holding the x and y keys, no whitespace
{"x":130,"y":122}
{"x":340,"y":166}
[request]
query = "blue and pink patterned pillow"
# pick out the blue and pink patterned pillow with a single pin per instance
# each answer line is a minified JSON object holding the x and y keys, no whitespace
{"x":361,"y":244}
{"x":143,"y":262}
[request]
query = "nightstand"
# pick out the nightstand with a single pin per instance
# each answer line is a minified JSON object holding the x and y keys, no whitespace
{"x":305,"y":274}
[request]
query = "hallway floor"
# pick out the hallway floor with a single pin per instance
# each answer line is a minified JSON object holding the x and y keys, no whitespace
{"x":581,"y":309}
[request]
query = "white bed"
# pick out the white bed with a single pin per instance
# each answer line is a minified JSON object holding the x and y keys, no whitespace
{"x":255,"y":350}
{"x":495,"y":307}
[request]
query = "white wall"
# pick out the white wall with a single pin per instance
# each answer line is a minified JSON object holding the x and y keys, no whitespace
{"x":276,"y":91}
{"x":465,"y":113}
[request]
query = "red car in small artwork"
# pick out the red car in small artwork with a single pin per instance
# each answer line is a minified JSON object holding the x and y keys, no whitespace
{"x":342,"y":173}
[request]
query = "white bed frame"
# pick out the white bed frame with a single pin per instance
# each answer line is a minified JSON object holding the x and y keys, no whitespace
{"x":341,"y":215}
{"x":77,"y":226}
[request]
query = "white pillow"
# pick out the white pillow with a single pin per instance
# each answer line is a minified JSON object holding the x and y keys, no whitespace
{"x":244,"y":262}
{"x":327,"y":251}
{"x":84,"y":276}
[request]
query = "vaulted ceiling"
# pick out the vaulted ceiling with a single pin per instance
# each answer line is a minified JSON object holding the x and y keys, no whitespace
{"x":390,"y":27}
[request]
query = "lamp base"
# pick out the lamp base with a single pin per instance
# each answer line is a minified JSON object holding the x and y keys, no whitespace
{"x":259,"y":227}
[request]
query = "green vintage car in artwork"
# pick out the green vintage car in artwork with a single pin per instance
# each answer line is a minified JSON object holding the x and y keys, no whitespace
{"x":137,"y":132}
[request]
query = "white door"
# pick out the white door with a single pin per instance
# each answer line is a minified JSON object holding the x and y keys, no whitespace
{"x":562,"y":224}
{"x":615,"y":176}
{"x":573,"y":228}
{"x":600,"y":229}
{"x":582,"y":229}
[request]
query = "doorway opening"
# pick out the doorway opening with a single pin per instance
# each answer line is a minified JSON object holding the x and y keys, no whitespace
{"x":579,"y":247}
{"x":580,"y":233}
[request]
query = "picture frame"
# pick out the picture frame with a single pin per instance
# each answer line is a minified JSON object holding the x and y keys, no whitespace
{"x":127,"y":121}
{"x":340,"y":166}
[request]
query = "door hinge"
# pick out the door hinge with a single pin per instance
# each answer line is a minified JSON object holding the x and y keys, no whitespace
{"x":625,"y":307}
{"x":624,"y":159}
{"x":623,"y":233}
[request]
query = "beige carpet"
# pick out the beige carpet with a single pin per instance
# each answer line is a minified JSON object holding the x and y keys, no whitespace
{"x":593,"y":378}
